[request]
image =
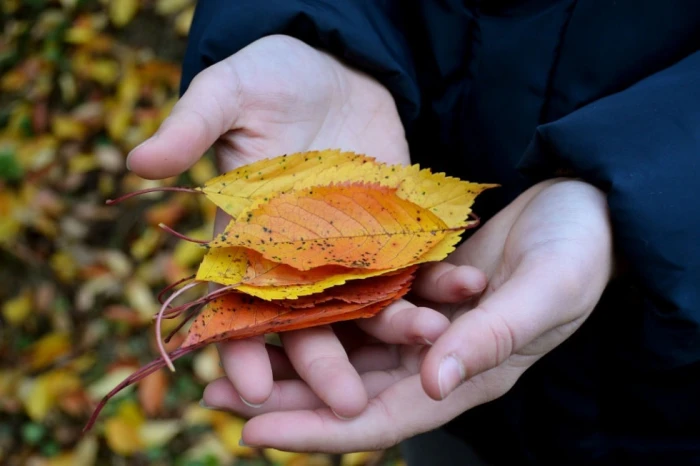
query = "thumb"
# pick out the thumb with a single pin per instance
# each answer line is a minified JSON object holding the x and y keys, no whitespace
{"x":531,"y":302}
{"x":208,"y":109}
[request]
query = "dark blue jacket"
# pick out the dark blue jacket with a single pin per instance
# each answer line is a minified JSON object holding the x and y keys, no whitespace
{"x":513,"y":91}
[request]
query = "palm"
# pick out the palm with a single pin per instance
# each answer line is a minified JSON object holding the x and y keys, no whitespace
{"x":278,"y":96}
{"x":541,"y":238}
{"x":537,"y":254}
{"x":297,"y":99}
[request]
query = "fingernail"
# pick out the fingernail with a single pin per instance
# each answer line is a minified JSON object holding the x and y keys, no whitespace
{"x":128,"y":167}
{"x":342,"y":418}
{"x":450,"y":375}
{"x":203,"y":404}
{"x":248,"y":403}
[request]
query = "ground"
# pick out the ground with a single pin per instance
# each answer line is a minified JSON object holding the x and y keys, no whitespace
{"x":82,"y":82}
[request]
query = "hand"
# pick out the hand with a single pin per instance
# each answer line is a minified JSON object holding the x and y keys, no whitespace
{"x":278,"y":96}
{"x":548,"y":258}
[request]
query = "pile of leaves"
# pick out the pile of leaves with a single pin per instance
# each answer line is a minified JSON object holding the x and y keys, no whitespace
{"x":313,"y":238}
{"x":81,"y":83}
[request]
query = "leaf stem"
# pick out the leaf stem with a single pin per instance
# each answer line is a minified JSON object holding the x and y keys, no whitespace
{"x":151,"y":190}
{"x":173,"y":285}
{"x":175,"y":311}
{"x":135,"y":377}
{"x":159,"y":320}
{"x":180,"y":235}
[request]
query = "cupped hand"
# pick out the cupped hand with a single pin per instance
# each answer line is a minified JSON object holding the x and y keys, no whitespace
{"x":548,"y":258}
{"x":278,"y":96}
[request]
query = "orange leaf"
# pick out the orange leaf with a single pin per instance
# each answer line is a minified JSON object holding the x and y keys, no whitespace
{"x":353,"y":225}
{"x":359,"y":291}
{"x":235,"y":315}
{"x":151,"y":392}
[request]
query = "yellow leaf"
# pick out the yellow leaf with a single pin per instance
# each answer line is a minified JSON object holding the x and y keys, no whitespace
{"x":129,"y":87}
{"x":230,"y":266}
{"x":84,"y":454}
{"x":203,"y":170}
{"x":82,"y":163}
{"x":247,"y":187}
{"x":357,"y":458}
{"x":104,"y":71}
{"x":169,"y":7}
{"x":46,"y":390}
{"x":68,"y":87}
{"x":447,"y":197}
{"x":64,"y":459}
{"x":130,"y":412}
{"x":146,"y":244}
{"x":65,"y":127}
{"x":155,"y":434}
{"x":195,"y":415}
{"x":140,"y":297}
{"x":229,"y":432}
{"x":101,"y":387}
{"x":121,"y":437}
{"x":64,"y":266}
{"x":360,"y":226}
{"x":18,"y":308}
{"x":206,"y":365}
{"x":48,"y":349}
{"x":79,"y":35}
{"x":234,"y":191}
{"x":13,"y":80}
{"x":121,"y":12}
{"x":187,"y":254}
{"x":183,"y":21}
{"x":281,"y":457}
{"x":38,"y":153}
{"x":10,"y":226}
{"x":118,"y":122}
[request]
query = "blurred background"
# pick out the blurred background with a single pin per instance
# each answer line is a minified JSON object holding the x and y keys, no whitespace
{"x":82,"y":82}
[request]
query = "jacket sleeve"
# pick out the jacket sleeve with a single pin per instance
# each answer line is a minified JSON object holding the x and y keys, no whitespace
{"x":642,"y":146}
{"x":366,"y":34}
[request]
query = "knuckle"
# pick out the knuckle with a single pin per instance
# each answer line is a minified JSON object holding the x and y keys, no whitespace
{"x":502,"y":335}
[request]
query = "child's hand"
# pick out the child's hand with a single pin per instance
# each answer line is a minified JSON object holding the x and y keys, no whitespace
{"x":278,"y":96}
{"x":548,"y":257}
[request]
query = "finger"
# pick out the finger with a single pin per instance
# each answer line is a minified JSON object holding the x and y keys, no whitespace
{"x":375,"y":358}
{"x":286,"y":395}
{"x":247,"y":365}
{"x":399,"y":411}
{"x":282,"y":368}
{"x":443,"y":282}
{"x":207,"y":110}
{"x":322,"y":362}
{"x":404,"y":323}
{"x":529,"y":304}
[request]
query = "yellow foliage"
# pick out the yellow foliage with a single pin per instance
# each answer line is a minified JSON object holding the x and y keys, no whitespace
{"x":64,"y":266}
{"x":183,"y":21}
{"x":66,"y":127}
{"x":48,"y":349}
{"x":229,"y":432}
{"x":46,"y":390}
{"x":121,"y":12}
{"x":17,"y":309}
